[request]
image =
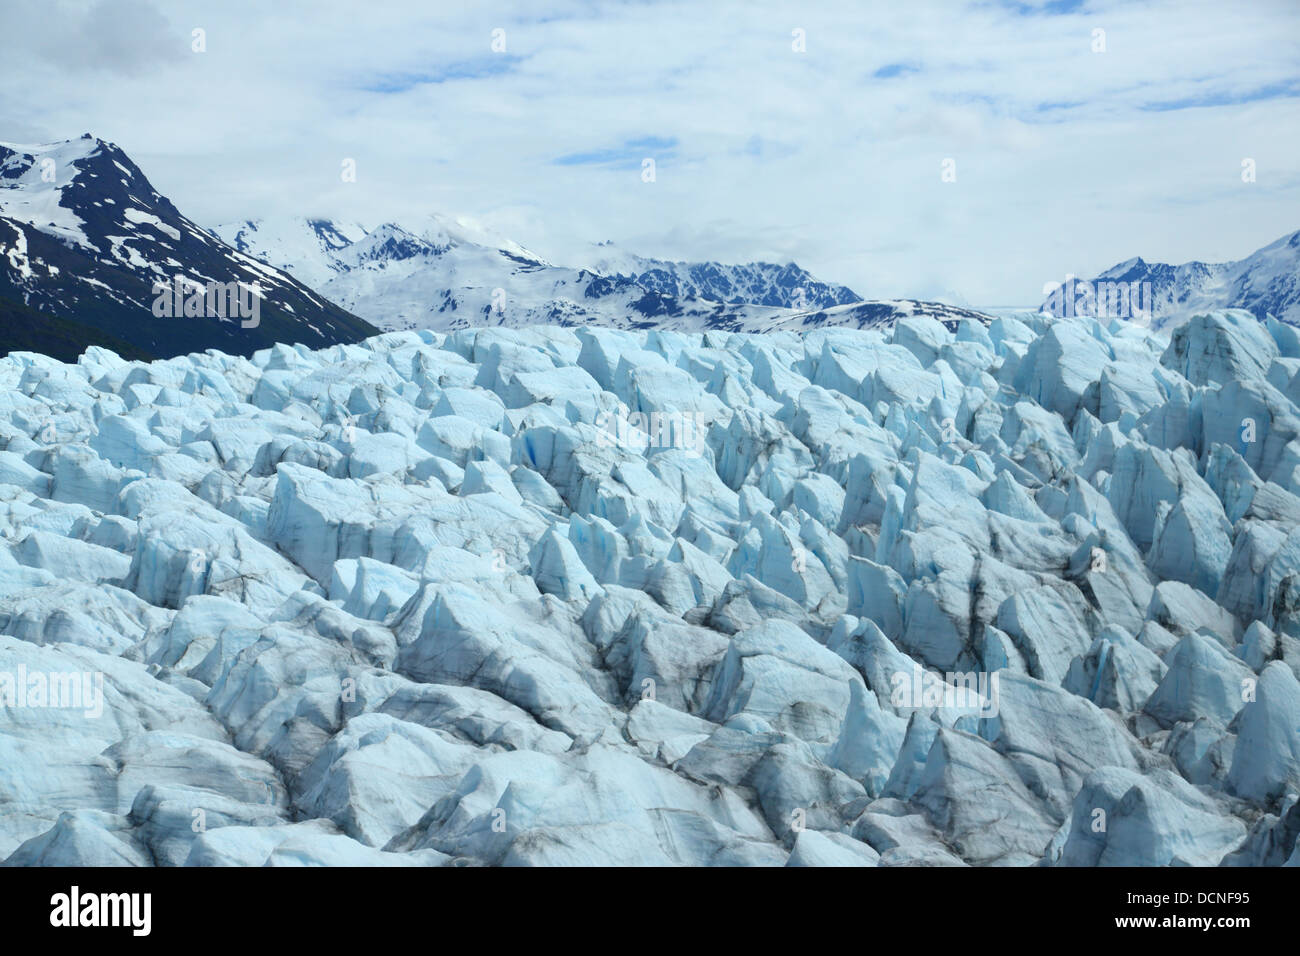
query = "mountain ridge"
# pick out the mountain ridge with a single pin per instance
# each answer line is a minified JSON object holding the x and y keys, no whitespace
{"x":445,"y":274}
{"x":1265,"y":283}
{"x":86,"y":239}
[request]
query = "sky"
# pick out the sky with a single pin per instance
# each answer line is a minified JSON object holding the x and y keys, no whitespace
{"x":969,"y":152}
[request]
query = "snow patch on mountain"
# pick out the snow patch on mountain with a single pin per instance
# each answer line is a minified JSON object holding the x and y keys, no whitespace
{"x":30,"y":190}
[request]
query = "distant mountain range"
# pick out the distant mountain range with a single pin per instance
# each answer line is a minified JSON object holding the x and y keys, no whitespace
{"x":88,"y":247}
{"x":446,"y":274}
{"x":1266,"y":283}
{"x":87,"y":244}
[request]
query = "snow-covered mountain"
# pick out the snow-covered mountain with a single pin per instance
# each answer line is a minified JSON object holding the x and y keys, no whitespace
{"x":84,"y":237}
{"x":86,"y":244}
{"x":881,"y":314}
{"x":590,"y":596}
{"x":446,"y":274}
{"x":1265,"y":283}
{"x":755,"y":283}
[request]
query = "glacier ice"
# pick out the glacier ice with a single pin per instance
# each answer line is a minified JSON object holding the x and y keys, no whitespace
{"x":897,"y":597}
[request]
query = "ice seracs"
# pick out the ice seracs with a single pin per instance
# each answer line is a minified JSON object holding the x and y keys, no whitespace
{"x":1005,"y":594}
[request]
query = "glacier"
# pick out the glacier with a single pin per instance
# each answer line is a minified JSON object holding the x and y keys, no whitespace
{"x":1023,"y":592}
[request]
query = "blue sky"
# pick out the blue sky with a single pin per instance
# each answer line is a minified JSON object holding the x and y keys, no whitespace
{"x":536,"y":118}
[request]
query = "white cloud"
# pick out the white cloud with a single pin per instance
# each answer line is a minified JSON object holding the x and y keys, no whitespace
{"x":1067,"y":160}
